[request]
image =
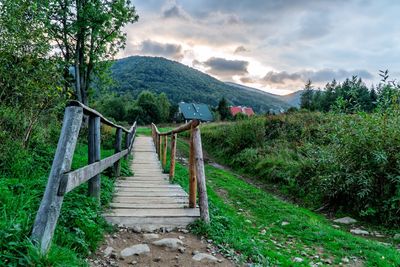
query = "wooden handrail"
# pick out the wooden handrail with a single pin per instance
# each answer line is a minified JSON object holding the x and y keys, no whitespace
{"x":91,"y":112}
{"x":62,"y":180}
{"x":197,"y":178}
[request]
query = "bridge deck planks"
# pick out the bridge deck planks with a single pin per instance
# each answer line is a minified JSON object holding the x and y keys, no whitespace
{"x":147,"y":198}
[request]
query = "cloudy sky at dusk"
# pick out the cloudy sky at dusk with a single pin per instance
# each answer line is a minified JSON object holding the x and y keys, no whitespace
{"x":271,"y":45}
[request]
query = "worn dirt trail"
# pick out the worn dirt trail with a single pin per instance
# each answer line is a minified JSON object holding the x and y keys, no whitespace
{"x":186,"y":253}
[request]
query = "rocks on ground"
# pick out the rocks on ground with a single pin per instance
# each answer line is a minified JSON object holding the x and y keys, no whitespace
{"x":172,"y":243}
{"x":126,"y":248}
{"x":345,"y":220}
{"x":135,"y":250}
{"x":358,"y":231}
{"x":204,"y":256}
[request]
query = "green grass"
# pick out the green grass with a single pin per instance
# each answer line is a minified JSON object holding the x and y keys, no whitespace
{"x":80,"y":228}
{"x":246,"y":223}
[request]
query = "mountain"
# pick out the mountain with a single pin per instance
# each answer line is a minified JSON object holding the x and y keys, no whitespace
{"x":182,"y":83}
{"x":292,"y":99}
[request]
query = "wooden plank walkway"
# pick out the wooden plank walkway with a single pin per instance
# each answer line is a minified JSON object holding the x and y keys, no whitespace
{"x":148,"y":200}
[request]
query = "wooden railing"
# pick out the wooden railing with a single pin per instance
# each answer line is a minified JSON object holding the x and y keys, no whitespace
{"x":197,"y":176}
{"x":62,"y":180}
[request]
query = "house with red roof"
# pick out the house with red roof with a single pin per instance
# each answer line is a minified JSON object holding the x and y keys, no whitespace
{"x":239,"y":109}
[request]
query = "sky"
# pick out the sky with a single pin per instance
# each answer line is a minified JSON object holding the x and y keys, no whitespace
{"x":274,"y":46}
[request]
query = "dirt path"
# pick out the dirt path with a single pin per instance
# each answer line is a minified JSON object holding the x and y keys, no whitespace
{"x":180,"y":248}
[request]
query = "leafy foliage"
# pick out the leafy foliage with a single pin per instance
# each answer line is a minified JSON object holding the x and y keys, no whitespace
{"x":348,"y":161}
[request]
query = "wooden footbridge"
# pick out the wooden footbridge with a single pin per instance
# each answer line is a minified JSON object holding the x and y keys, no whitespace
{"x":147,"y":200}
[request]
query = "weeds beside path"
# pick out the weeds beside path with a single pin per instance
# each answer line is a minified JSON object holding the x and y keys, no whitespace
{"x":251,"y":225}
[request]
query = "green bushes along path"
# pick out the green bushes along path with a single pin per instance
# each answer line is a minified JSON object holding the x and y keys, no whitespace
{"x":347,"y":162}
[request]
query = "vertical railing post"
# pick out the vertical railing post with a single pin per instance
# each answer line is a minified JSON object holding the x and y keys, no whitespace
{"x":94,"y":155}
{"x":201,"y":177}
{"x":159,"y":146}
{"x":164,"y":156}
{"x":127,"y":143}
{"x":117,"y":146}
{"x":192,"y":171}
{"x":50,"y":206}
{"x":173,"y":154}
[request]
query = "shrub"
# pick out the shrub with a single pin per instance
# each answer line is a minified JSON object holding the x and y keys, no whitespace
{"x":351,"y":162}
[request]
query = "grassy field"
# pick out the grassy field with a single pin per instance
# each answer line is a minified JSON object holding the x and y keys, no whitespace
{"x":80,"y":227}
{"x":251,"y":225}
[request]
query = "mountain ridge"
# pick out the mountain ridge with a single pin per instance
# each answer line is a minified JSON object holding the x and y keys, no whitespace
{"x":183,"y":83}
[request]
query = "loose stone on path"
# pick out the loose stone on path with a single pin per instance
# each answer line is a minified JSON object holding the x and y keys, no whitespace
{"x":135,"y":250}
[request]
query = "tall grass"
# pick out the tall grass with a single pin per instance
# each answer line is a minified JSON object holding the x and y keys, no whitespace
{"x":23,"y":177}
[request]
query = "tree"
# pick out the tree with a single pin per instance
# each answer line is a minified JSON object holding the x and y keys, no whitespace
{"x":150,"y":111}
{"x":88,"y":32}
{"x":223,"y":109}
{"x":164,"y":106}
{"x":307,"y":96}
{"x":28,"y":72}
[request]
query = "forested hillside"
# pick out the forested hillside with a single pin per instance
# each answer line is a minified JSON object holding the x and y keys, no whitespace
{"x":182,"y":83}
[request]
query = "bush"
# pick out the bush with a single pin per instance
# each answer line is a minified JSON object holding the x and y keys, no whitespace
{"x":351,"y":162}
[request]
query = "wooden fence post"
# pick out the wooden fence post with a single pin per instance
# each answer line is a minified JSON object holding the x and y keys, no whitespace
{"x":49,"y":210}
{"x":192,"y":171}
{"x":127,"y":143}
{"x":201,"y":177}
{"x":159,"y":146}
{"x":94,"y":155}
{"x":165,"y":148}
{"x":173,"y":154}
{"x":118,"y":140}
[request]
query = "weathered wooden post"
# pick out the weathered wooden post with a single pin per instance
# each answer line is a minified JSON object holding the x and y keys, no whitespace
{"x":192,"y":171}
{"x":127,"y":143}
{"x":201,"y":177}
{"x":173,"y":154}
{"x":94,"y":154}
{"x":159,"y":146}
{"x":49,"y":210}
{"x":164,"y":157}
{"x":117,"y":145}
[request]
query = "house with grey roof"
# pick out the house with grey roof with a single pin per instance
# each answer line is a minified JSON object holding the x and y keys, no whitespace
{"x":192,"y":111}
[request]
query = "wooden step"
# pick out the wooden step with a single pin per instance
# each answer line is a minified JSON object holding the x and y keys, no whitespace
{"x":148,"y":205}
{"x":147,"y":199}
{"x":185,"y":212}
{"x":151,"y":222}
{"x":152,"y":194}
{"x":142,"y":200}
{"x":145,"y":185}
{"x":148,"y":189}
{"x":133,"y":183}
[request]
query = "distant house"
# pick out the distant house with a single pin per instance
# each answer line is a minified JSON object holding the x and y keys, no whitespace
{"x":191,"y":111}
{"x":244,"y":110}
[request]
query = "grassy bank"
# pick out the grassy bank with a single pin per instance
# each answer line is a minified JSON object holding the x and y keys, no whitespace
{"x":251,"y":225}
{"x":80,"y":227}
{"x":347,"y":163}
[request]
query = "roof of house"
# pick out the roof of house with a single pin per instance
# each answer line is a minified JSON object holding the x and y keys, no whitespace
{"x":239,"y":109}
{"x":192,"y":111}
{"x":248,"y":111}
{"x":235,"y":110}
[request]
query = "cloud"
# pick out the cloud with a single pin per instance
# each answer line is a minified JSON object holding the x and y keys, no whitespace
{"x":319,"y":76}
{"x":226,"y":67}
{"x":247,"y":80}
{"x":240,"y":49}
{"x":315,"y":25}
{"x":176,"y":11}
{"x":149,"y":47}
